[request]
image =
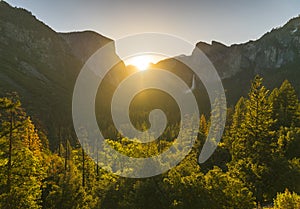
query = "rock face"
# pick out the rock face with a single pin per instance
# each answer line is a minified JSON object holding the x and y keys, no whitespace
{"x":85,"y":43}
{"x":42,"y":66}
{"x":275,"y":56}
{"x":273,"y":51}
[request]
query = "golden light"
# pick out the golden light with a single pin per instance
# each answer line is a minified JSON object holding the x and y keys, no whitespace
{"x":141,"y":62}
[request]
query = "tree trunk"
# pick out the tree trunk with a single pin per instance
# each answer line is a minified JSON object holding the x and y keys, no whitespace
{"x":9,"y":165}
{"x":83,"y":171}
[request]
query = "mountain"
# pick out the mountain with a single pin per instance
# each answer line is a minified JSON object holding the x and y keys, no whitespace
{"x":84,"y":44}
{"x":42,"y":66}
{"x":275,"y":56}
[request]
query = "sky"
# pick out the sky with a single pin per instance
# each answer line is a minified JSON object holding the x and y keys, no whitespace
{"x":226,"y":21}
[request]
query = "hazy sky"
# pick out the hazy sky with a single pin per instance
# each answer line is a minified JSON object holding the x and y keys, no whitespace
{"x":227,"y":21}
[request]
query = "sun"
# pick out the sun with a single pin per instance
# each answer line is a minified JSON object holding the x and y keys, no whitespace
{"x":141,"y":62}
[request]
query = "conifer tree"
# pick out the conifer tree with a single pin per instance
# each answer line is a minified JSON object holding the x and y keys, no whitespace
{"x":21,"y":170}
{"x":252,"y":145}
{"x":285,"y":106}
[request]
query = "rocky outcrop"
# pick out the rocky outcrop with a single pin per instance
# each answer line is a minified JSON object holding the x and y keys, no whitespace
{"x":84,"y":44}
{"x":275,"y":56}
{"x":273,"y":51}
{"x":42,"y":66}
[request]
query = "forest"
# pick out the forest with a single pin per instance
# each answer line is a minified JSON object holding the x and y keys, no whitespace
{"x":256,"y":164}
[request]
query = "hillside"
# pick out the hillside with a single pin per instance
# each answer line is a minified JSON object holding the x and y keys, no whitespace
{"x":42,"y":66}
{"x":275,"y":56}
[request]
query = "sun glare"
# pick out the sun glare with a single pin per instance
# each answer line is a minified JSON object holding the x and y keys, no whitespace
{"x":141,"y":62}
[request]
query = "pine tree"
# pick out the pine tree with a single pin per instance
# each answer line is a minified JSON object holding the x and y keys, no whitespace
{"x":11,"y":119}
{"x":232,"y":132}
{"x":21,"y":167}
{"x":252,"y":145}
{"x":30,"y":138}
{"x":255,"y":135}
{"x":285,"y":106}
{"x":203,"y":128}
{"x":287,"y":200}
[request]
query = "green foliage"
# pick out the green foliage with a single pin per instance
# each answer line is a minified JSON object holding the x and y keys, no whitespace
{"x":27,"y":174}
{"x":252,"y":139}
{"x":258,"y":157}
{"x":287,"y":200}
{"x":227,"y":191}
{"x":285,"y":106}
{"x":67,"y":192}
{"x":263,"y":137}
{"x":288,"y":142}
{"x":232,"y":133}
{"x":21,"y":170}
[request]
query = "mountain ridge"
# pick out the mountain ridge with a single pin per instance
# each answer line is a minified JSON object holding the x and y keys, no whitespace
{"x":42,"y":65}
{"x":274,"y":47}
{"x":275,"y":56}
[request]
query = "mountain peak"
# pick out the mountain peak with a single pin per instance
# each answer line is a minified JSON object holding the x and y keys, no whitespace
{"x":4,"y":4}
{"x":293,"y":22}
{"x":19,"y":17}
{"x":84,"y":43}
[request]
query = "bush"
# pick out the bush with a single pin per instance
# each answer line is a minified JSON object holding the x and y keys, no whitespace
{"x":287,"y":200}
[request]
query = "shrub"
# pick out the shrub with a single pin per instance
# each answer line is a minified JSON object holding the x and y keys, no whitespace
{"x":287,"y":200}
